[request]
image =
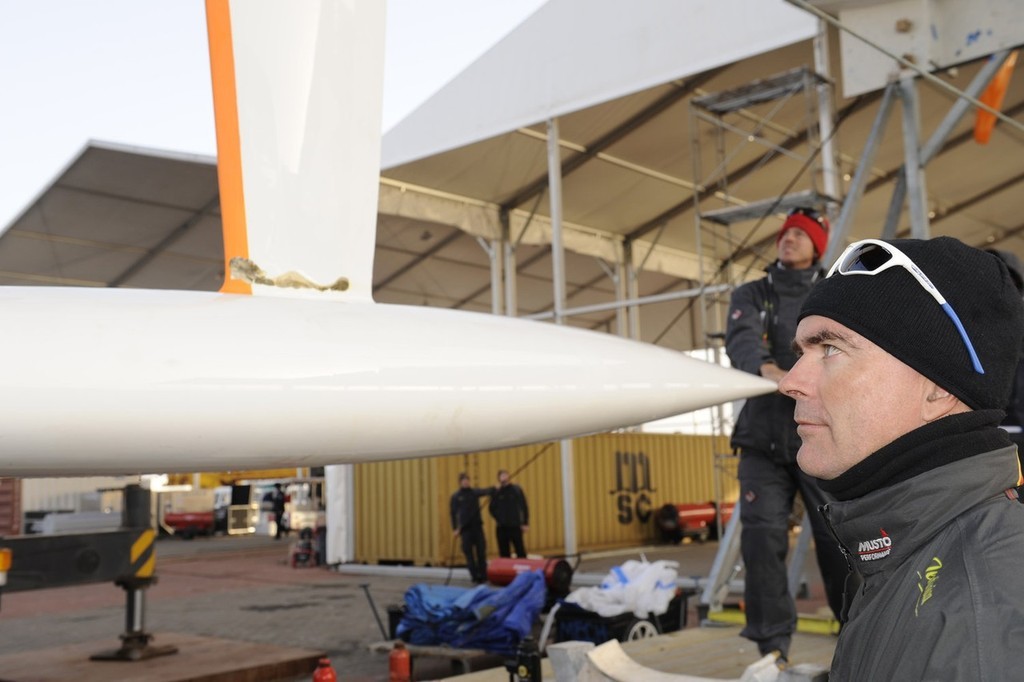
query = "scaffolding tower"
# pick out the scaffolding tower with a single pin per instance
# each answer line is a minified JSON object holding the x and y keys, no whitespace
{"x":775,"y":121}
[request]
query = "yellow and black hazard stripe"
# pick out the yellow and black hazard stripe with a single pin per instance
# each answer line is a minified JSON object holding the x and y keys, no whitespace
{"x":143,"y":555}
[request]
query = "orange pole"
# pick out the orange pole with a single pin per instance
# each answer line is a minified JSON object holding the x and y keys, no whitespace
{"x":229,"y":148}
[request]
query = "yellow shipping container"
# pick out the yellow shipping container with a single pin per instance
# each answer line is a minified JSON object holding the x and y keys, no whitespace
{"x":402,"y":507}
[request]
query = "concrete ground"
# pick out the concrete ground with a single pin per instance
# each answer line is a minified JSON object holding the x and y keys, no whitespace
{"x":243,"y":588}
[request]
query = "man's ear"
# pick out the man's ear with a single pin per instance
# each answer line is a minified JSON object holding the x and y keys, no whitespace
{"x":940,"y":403}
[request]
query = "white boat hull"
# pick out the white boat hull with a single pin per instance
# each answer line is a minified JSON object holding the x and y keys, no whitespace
{"x":119,"y":381}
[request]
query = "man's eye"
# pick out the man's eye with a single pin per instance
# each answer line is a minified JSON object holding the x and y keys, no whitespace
{"x":828,"y":349}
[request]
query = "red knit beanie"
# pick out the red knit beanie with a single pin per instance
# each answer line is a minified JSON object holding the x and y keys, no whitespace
{"x":816,"y":229}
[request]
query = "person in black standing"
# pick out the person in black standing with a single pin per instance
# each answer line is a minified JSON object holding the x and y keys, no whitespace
{"x":277,"y":501}
{"x":468,"y":524}
{"x":758,"y":339}
{"x":512,"y":515}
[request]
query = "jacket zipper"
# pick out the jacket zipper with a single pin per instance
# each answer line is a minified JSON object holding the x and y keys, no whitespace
{"x":847,"y":597}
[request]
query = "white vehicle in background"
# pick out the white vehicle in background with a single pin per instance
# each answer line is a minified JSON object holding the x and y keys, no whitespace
{"x":305,"y":506}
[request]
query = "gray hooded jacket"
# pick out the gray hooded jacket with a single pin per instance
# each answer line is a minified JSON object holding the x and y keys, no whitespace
{"x":942,"y":557}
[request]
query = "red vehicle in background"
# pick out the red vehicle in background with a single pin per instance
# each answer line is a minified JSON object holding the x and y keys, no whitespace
{"x":189,"y":524}
{"x":209,"y":511}
{"x":697,"y":521}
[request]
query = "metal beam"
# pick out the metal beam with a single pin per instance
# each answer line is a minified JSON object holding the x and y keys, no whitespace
{"x":743,"y":171}
{"x":161,"y":246}
{"x":679,"y":92}
{"x":856,"y":191}
{"x":953,"y":143}
{"x":917,"y":193}
{"x":452,"y":236}
{"x":641,"y":300}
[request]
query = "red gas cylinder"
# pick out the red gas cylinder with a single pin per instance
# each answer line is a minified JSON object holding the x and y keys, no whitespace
{"x":324,"y":672}
{"x":399,"y":664}
{"x":557,"y":572}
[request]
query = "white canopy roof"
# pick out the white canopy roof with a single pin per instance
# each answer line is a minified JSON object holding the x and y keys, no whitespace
{"x":571,"y":54}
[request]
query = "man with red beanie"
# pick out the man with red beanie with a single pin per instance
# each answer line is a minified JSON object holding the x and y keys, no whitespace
{"x":758,"y":339}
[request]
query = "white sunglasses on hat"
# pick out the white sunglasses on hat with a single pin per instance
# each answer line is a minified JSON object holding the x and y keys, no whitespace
{"x":872,"y":256}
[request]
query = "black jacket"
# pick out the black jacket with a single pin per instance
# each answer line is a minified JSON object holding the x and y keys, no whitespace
{"x":761,"y":326}
{"x":508,"y":506}
{"x":276,"y":499}
{"x":465,"y":508}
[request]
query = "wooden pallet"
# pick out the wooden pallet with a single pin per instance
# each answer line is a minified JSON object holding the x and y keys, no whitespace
{"x":199,"y":659}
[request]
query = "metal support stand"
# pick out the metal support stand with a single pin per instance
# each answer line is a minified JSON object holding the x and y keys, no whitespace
{"x":135,"y":642}
{"x":797,"y":583}
{"x":725,"y":567}
{"x":728,"y":564}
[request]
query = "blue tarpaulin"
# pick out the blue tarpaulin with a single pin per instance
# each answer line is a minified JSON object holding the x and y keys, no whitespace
{"x":479,"y":618}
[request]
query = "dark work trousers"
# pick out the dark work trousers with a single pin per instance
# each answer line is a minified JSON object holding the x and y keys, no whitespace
{"x":474,"y":547}
{"x":767,"y":490}
{"x":508,"y":537}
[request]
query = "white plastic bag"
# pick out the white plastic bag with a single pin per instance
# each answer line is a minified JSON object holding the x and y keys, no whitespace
{"x":643,"y":587}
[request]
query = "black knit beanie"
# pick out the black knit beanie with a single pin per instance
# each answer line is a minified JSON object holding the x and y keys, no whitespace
{"x":892,"y":310}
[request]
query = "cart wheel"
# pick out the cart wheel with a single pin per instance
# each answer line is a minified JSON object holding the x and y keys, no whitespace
{"x":640,"y":629}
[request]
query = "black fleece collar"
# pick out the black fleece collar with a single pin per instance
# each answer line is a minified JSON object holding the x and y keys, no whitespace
{"x":947,"y":440}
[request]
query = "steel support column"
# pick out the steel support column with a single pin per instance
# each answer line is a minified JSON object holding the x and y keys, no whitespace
{"x":632,"y":293}
{"x":508,"y":253}
{"x":555,"y":198}
{"x":621,"y":295}
{"x":826,"y":117}
{"x":917,"y":193}
{"x":493,"y":249}
{"x":860,"y":176}
{"x":558,"y":277}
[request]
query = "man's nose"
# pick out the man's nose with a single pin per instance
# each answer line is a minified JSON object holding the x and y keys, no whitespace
{"x":791,"y":384}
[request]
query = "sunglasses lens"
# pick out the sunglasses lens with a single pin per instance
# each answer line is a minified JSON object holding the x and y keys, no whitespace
{"x":809,"y":212}
{"x":868,"y":258}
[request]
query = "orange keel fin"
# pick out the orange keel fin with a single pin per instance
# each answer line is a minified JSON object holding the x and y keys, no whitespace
{"x":229,"y":150}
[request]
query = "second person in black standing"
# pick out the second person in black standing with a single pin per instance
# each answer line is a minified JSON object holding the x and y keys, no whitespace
{"x":511,"y":514}
{"x":758,"y":339}
{"x":468,"y":525}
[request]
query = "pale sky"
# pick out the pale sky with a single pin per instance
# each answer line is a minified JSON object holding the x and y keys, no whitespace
{"x":137,"y":73}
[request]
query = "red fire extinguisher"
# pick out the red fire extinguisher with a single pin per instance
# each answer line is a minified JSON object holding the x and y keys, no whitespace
{"x":399,"y":664}
{"x":324,"y":672}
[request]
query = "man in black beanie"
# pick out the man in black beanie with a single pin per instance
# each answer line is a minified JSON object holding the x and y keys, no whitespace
{"x":907,"y":352}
